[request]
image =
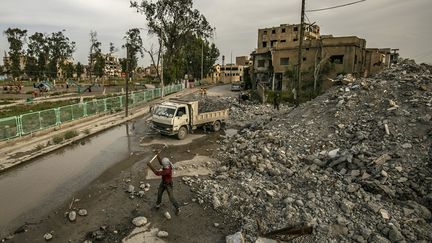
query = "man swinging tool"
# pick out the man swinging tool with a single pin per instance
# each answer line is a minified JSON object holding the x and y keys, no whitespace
{"x":166,"y":183}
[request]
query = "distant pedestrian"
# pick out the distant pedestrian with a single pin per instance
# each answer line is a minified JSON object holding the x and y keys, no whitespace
{"x":166,"y":183}
{"x":202,"y":93}
{"x":205,"y":93}
{"x":276,"y":101}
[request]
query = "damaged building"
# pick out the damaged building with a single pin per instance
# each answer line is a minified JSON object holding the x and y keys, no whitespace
{"x":275,"y":61}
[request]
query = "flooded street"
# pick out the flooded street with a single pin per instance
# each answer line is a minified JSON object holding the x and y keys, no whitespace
{"x":37,"y":187}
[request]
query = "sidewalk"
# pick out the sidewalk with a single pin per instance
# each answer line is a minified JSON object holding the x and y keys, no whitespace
{"x":20,"y":150}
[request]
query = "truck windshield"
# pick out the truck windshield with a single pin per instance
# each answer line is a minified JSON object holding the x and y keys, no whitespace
{"x":165,"y":111}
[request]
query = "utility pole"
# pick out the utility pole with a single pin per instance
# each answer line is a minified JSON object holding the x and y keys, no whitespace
{"x":202,"y":60}
{"x":127,"y":80}
{"x":297,"y":88}
{"x":223,"y":69}
{"x":231,"y":67}
{"x":162,"y":76}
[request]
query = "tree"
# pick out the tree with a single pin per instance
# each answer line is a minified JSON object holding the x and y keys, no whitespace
{"x":173,"y":21}
{"x":79,"y":69}
{"x":112,"y":48}
{"x":69,"y":70}
{"x":16,"y":38}
{"x":37,"y":55}
{"x":99,"y":65}
{"x":196,"y":49}
{"x":123,"y":64}
{"x":61,"y":48}
{"x":96,"y":61}
{"x":133,"y":45}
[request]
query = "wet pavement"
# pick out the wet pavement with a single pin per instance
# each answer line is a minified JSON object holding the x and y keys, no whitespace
{"x":31,"y":191}
{"x":37,"y":187}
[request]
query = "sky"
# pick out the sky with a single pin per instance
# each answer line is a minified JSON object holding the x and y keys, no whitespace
{"x":399,"y":24}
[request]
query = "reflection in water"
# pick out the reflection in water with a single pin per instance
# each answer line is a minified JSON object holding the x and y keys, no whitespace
{"x":39,"y":186}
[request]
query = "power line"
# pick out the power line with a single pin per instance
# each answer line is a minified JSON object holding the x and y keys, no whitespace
{"x":338,"y":6}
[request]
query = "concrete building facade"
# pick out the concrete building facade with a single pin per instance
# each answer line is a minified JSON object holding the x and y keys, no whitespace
{"x":277,"y":55}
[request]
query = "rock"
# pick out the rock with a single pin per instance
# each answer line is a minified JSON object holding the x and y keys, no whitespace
{"x":162,"y":234}
{"x":299,"y":203}
{"x":420,"y":210}
{"x":147,"y":187}
{"x":289,"y":200}
{"x":347,"y":206}
{"x":379,"y":239}
{"x":265,"y":240}
{"x":131,"y":189}
{"x":355,"y":173}
{"x":406,"y":146}
{"x":399,"y":168}
{"x":395,"y":235}
{"x":342,"y":221}
{"x":216,"y":225}
{"x":139,"y":221}
{"x":384,"y":214}
{"x":235,"y":238}
{"x":48,"y":236}
{"x":270,"y":193}
{"x":82,"y":212}
{"x":353,"y":188}
{"x":167,"y":215}
{"x":72,"y":216}
{"x":333,"y":153}
{"x":141,"y":193}
{"x":216,"y":202}
{"x":382,"y":159}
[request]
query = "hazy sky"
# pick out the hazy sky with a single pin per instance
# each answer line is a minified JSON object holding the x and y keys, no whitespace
{"x":403,"y":24}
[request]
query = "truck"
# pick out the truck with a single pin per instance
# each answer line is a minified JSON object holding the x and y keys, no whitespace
{"x":178,"y":117}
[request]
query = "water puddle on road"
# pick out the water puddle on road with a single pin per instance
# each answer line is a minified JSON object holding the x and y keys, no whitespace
{"x":32,"y":190}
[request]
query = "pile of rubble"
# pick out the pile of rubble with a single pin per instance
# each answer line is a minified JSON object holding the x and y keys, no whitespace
{"x":353,"y":163}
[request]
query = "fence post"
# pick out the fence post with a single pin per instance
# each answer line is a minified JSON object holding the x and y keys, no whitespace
{"x":19,"y":125}
{"x":133,"y":99}
{"x":105,"y":105}
{"x":85,"y":109}
{"x":40,"y":121}
{"x":57,"y":114}
{"x":121,"y":101}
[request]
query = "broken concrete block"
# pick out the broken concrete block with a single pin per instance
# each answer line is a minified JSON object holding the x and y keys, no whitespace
{"x":235,"y":238}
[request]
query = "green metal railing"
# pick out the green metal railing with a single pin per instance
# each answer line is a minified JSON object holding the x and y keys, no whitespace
{"x":16,"y":126}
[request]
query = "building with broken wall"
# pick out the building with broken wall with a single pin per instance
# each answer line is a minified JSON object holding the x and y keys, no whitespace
{"x":275,"y":61}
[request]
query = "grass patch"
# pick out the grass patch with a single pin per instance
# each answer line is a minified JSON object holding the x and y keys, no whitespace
{"x":86,"y":131}
{"x":27,"y":108}
{"x":57,"y":139}
{"x":70,"y":134}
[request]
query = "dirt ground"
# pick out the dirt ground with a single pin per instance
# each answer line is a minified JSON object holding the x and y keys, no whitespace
{"x":111,"y":210}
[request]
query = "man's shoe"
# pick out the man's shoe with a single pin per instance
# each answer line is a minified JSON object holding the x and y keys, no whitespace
{"x":177,"y":212}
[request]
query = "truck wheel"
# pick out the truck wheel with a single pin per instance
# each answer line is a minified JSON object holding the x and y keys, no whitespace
{"x":216,"y":126}
{"x":182,"y":133}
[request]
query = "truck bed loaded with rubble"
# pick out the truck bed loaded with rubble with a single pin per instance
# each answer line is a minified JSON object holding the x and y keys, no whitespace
{"x":355,"y":163}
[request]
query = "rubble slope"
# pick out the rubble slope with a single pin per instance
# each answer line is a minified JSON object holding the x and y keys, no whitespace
{"x":354,"y":163}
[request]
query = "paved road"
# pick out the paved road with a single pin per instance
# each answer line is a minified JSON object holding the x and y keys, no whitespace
{"x":30,"y":191}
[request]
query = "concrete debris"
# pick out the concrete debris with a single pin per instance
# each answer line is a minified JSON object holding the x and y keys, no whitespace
{"x":72,"y":216}
{"x":131,"y":189}
{"x":342,"y":172}
{"x":139,"y":221}
{"x":82,"y":212}
{"x":235,"y":238}
{"x":384,"y":214}
{"x":167,"y":215}
{"x":162,"y":234}
{"x":48,"y":236}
